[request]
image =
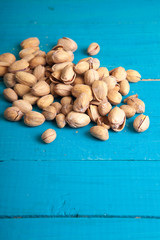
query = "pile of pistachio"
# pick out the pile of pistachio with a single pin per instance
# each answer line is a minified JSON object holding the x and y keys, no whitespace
{"x":87,"y":91}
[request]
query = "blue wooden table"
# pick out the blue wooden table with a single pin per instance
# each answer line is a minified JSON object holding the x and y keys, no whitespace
{"x":78,"y":187}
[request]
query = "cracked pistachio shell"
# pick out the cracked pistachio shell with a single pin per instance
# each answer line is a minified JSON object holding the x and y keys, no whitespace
{"x":141,"y":123}
{"x":76,"y":120}
{"x":45,"y":101}
{"x":99,"y":132}
{"x":57,"y":106}
{"x":10,"y":95}
{"x":66,"y":108}
{"x":20,"y":65}
{"x":40,"y":89}
{"x":137,"y":104}
{"x":60,"y":56}
{"x":81,"y":67}
{"x":30,"y":42}
{"x":49,"y":113}
{"x":92,"y":112}
{"x":124,"y":87}
{"x":66,"y":100}
{"x":61,"y":120}
{"x":49,"y":135}
{"x":25,"y":78}
{"x":94,"y":63}
{"x":93,"y":49}
{"x":117,"y":119}
{"x":103,"y":72}
{"x":68,"y":44}
{"x":100,"y":90}
{"x":13,"y":114}
{"x":104,"y":107}
{"x":119,"y":73}
{"x":132,"y":96}
{"x":82,"y":88}
{"x":111,"y":82}
{"x":30,"y":98}
{"x":63,"y":89}
{"x":33,"y":119}
{"x":114,"y":97}
{"x":129,"y":110}
{"x":133,"y":76}
{"x":9,"y":80}
{"x":26,"y":51}
{"x":7,"y":58}
{"x":90,"y":76}
{"x":103,"y":121}
{"x":81,"y":103}
{"x":23,"y":105}
{"x":39,"y":72}
{"x":68,"y":75}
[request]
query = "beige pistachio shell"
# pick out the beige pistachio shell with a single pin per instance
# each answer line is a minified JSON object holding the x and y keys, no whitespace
{"x":9,"y":80}
{"x":104,"y":107}
{"x":90,"y":76}
{"x":133,"y":76}
{"x":33,"y":119}
{"x":93,"y":49}
{"x":45,"y":101}
{"x":129,"y":110}
{"x":66,"y":108}
{"x":3,"y":70}
{"x":100,"y":90}
{"x":81,"y":103}
{"x":49,"y":112}
{"x":130,"y":97}
{"x":114,"y":97}
{"x":68,"y":44}
{"x":82,"y":88}
{"x":68,"y":75}
{"x":36,"y":61}
{"x":61,"y":120}
{"x":20,"y":65}
{"x":7,"y":58}
{"x":49,"y":135}
{"x":93,"y":113}
{"x":66,"y":100}
{"x":25,"y":78}
{"x":60,"y":56}
{"x":39,"y":72}
{"x":13,"y":114}
{"x":57,"y":106}
{"x":76,"y":120}
{"x":60,"y":66}
{"x":30,"y":98}
{"x":141,"y":123}
{"x":99,"y":132}
{"x":40,"y":89}
{"x":137,"y":103}
{"x":117,"y":119}
{"x":10,"y":95}
{"x":124,"y":87}
{"x":63,"y":89}
{"x":25,"y":52}
{"x":30,"y":42}
{"x":81,"y":67}
{"x":103,"y":72}
{"x":23,"y":105}
{"x":119,"y":73}
{"x":104,"y":122}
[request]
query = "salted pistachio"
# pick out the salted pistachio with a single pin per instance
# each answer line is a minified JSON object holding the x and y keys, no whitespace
{"x":129,"y":110}
{"x":94,"y":63}
{"x":103,"y":72}
{"x":60,"y":56}
{"x":93,"y":49}
{"x":29,"y":57}
{"x":30,"y":98}
{"x":81,"y":67}
{"x":137,"y":104}
{"x":49,"y":59}
{"x":132,"y":96}
{"x":92,"y":112}
{"x":13,"y":114}
{"x":21,"y":89}
{"x":61,"y":120}
{"x":49,"y":112}
{"x":39,"y":72}
{"x":25,"y":52}
{"x":82,"y":88}
{"x":76,"y":120}
{"x":119,"y":73}
{"x":99,"y":132}
{"x":23,"y":105}
{"x":133,"y":76}
{"x":104,"y":122}
{"x":114,"y":97}
{"x":40,"y":53}
{"x":33,"y":119}
{"x":20,"y":65}
{"x":78,"y":80}
{"x":57,"y":106}
{"x":90,"y":76}
{"x":7,"y":58}
{"x":3,"y":70}
{"x":68,"y":75}
{"x":66,"y":108}
{"x":117,"y":119}
{"x":45,"y":101}
{"x":141,"y":123}
{"x":55,"y":77}
{"x":63,"y":89}
{"x":68,"y":44}
{"x":100,"y":90}
{"x":81,"y":103}
{"x":10,"y":95}
{"x":40,"y":89}
{"x":66,"y":100}
{"x":49,"y":135}
{"x":9,"y":80}
{"x":124,"y":87}
{"x":30,"y":42}
{"x":111,"y":82}
{"x":25,"y":78}
{"x":37,"y":61}
{"x":60,"y":66}
{"x":104,"y":107}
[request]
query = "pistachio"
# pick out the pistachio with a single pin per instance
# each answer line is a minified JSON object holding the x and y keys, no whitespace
{"x":49,"y":112}
{"x":82,"y":88}
{"x":23,"y":105}
{"x":61,"y":120}
{"x":45,"y":101}
{"x":57,"y":106}
{"x":30,"y":42}
{"x":104,"y":122}
{"x":117,"y":119}
{"x":55,"y":77}
{"x":93,"y":49}
{"x":78,"y":80}
{"x":7,"y":58}
{"x":68,"y":75}
{"x":20,"y":65}
{"x":132,"y":96}
{"x":81,"y":103}
{"x":9,"y":80}
{"x":100,"y":90}
{"x":29,"y":57}
{"x":13,"y":114}
{"x":10,"y":95}
{"x":39,"y":72}
{"x":119,"y":73}
{"x":137,"y":104}
{"x":110,"y":81}
{"x":77,"y":120}
{"x":94,"y":63}
{"x":49,"y":135}
{"x":92,"y":112}
{"x":66,"y":108}
{"x":81,"y":67}
{"x":25,"y":78}
{"x":114,"y":97}
{"x":103,"y":72}
{"x":133,"y":76}
{"x":124,"y":87}
{"x":90,"y":76}
{"x":26,"y":51}
{"x":49,"y":59}
{"x":3,"y":71}
{"x":37,"y":61}
{"x":104,"y":107}
{"x":68,"y":44}
{"x":33,"y":119}
{"x":39,"y":53}
{"x":60,"y":66}
{"x":66,"y":100}
{"x":63,"y":89}
{"x":52,"y":85}
{"x":60,"y":56}
{"x":141,"y":123}
{"x":30,"y":98}
{"x":129,"y":110}
{"x":40,"y":89}
{"x":99,"y":132}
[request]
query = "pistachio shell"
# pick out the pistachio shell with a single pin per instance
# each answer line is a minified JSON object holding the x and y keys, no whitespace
{"x":68,"y":75}
{"x":141,"y":123}
{"x":124,"y":87}
{"x":39,"y":72}
{"x":114,"y":97}
{"x":77,"y":120}
{"x":81,"y":103}
{"x":93,"y":49}
{"x":68,"y":44}
{"x":60,"y":66}
{"x":40,"y":89}
{"x":45,"y":101}
{"x":103,"y":72}
{"x":10,"y":95}
{"x":30,"y":98}
{"x":129,"y":110}
{"x":49,"y":112}
{"x":104,"y":107}
{"x":26,"y":51}
{"x":90,"y":76}
{"x":117,"y":119}
{"x":61,"y":120}
{"x":94,"y":63}
{"x":33,"y":119}
{"x":119,"y":73}
{"x":104,"y":122}
{"x":3,"y":70}
{"x":82,"y":88}
{"x":20,"y":65}
{"x":100,"y":90}
{"x":37,"y":61}
{"x":99,"y":132}
{"x":9,"y":80}
{"x":137,"y":104}
{"x":49,"y":135}
{"x":133,"y":76}
{"x":60,"y":56}
{"x":13,"y":114}
{"x":57,"y":106}
{"x":30,"y":42}
{"x":23,"y":105}
{"x":78,"y":80}
{"x":66,"y":108}
{"x":81,"y":67}
{"x":92,"y":112}
{"x":8,"y":58}
{"x":66,"y":100}
{"x":25,"y":78}
{"x":63,"y":90}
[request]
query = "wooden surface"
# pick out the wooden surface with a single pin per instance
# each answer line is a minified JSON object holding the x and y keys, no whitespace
{"x":79,"y":187}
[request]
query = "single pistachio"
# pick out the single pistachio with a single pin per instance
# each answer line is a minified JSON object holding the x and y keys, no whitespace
{"x":49,"y":113}
{"x":68,"y":75}
{"x":23,"y":105}
{"x":63,"y":89}
{"x":92,"y":112}
{"x":49,"y":135}
{"x":100,"y":90}
{"x":124,"y":87}
{"x":99,"y":132}
{"x":133,"y":76}
{"x":119,"y":73}
{"x":94,"y":63}
{"x":104,"y":122}
{"x":90,"y":76}
{"x":81,"y":67}
{"x":117,"y":87}
{"x":13,"y":114}
{"x":104,"y":107}
{"x":45,"y":101}
{"x":141,"y":123}
{"x":33,"y":119}
{"x":30,"y":42}
{"x":117,"y":119}
{"x":9,"y":80}
{"x":30,"y":98}
{"x":137,"y":104}
{"x":55,"y":77}
{"x":4,"y":64}
{"x":37,"y":61}
{"x":66,"y":100}
{"x":25,"y":78}
{"x":40,"y":89}
{"x":129,"y":110}
{"x":57,"y":106}
{"x":39,"y":72}
{"x":76,"y":120}
{"x":61,"y":120}
{"x":78,"y":80}
{"x":103,"y":72}
{"x":93,"y":49}
{"x":10,"y":95}
{"x":114,"y":97}
{"x":7,"y":58}
{"x":132,"y":96}
{"x":68,"y":44}
{"x":20,"y":65}
{"x":49,"y":59}
{"x":3,"y":70}
{"x":66,"y":108}
{"x":82,"y":88}
{"x":60,"y":56}
{"x":111,"y":82}
{"x":26,"y":51}
{"x":29,"y":57}
{"x":81,"y":103}
{"x":39,"y":53}
{"x":60,"y":66}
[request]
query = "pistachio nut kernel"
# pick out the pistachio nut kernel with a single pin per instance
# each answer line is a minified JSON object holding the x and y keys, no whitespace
{"x":124,"y":87}
{"x":141,"y":123}
{"x":61,"y":120}
{"x":129,"y":110}
{"x":49,"y":135}
{"x":119,"y":73}
{"x":133,"y":76}
{"x":99,"y":132}
{"x":77,"y":120}
{"x":93,"y":49}
{"x":137,"y":104}
{"x":117,"y":119}
{"x":13,"y":114}
{"x":114,"y":97}
{"x":68,"y":44}
{"x":90,"y":76}
{"x":100,"y":90}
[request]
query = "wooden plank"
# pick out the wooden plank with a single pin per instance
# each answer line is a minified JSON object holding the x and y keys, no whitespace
{"x":80,"y":189}
{"x":90,"y":229}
